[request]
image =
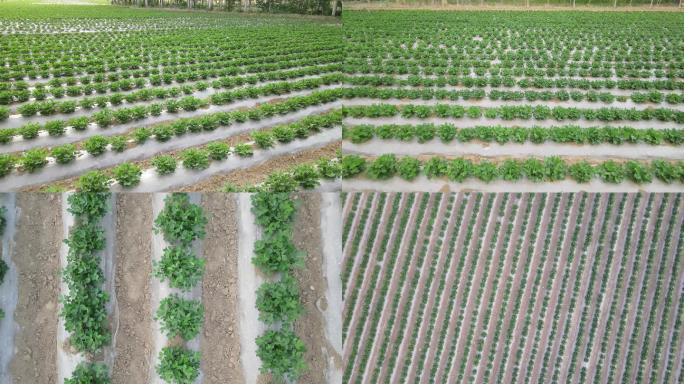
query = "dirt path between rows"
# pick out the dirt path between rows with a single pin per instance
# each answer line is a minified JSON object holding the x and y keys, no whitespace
{"x":39,"y":232}
{"x":311,"y":326}
{"x":133,"y":333}
{"x":220,"y":342}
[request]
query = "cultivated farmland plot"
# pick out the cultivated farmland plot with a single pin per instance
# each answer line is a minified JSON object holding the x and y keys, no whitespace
{"x":513,"y":288}
{"x":166,"y":101}
{"x":137,"y":295}
{"x":513,"y":101}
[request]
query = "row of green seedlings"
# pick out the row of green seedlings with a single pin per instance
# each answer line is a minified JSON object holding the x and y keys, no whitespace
{"x":509,"y":218}
{"x":542,"y":321}
{"x":538,"y":276}
{"x":413,"y":294}
{"x":181,"y":224}
{"x":640,"y":245}
{"x":548,"y":169}
{"x":140,"y":90}
{"x":458,"y":273}
{"x":461,"y":314}
{"x":561,"y":134}
{"x":420,"y":320}
{"x":632,"y":363}
{"x":526,"y":250}
{"x":107,"y":117}
{"x":349,"y":218}
{"x":595,"y":269}
{"x":525,"y":83}
{"x":542,"y":72}
{"x":446,"y":240}
{"x":3,"y":265}
{"x":356,"y":242}
{"x":116,"y":80}
{"x":591,"y":231}
{"x":50,"y":107}
{"x":389,"y":250}
{"x":496,"y":95}
{"x":305,"y":176}
{"x":508,"y":287}
{"x":589,"y":320}
{"x":570,"y":256}
{"x":36,"y":159}
{"x":280,"y":350}
{"x":198,"y":158}
{"x":508,"y":112}
{"x":84,"y":307}
{"x":670,"y":300}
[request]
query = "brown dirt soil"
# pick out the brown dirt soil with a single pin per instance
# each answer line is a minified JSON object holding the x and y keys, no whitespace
{"x":259,"y":173}
{"x":133,"y":333}
{"x":38,"y":238}
{"x":220,"y":342}
{"x":311,"y":326}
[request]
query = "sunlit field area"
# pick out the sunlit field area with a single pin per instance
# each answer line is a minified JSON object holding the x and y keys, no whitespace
{"x":94,"y":96}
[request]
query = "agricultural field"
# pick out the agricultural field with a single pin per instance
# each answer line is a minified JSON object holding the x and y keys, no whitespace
{"x":170,"y":288}
{"x":513,"y":101}
{"x":511,"y":288}
{"x":153,"y":100}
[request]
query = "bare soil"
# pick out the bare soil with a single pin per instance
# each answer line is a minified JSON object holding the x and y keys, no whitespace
{"x":38,"y":238}
{"x":133,"y":333}
{"x":220,"y":341}
{"x":311,"y":327}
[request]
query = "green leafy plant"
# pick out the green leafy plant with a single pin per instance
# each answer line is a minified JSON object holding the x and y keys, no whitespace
{"x":180,"y":220}
{"x":127,"y":174}
{"x":164,"y":164}
{"x":279,"y":301}
{"x":93,"y":181}
{"x":277,"y":253}
{"x":274,"y":212}
{"x":178,"y":365}
{"x":180,"y":267}
{"x":89,"y":373}
{"x":281,"y":353}
{"x":180,"y":317}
